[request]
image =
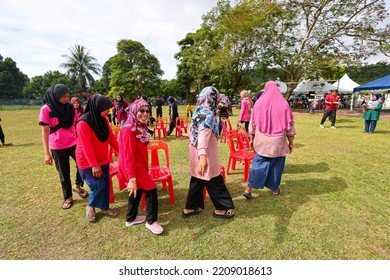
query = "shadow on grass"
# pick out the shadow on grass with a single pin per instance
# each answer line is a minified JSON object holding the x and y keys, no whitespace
{"x":295,"y":194}
{"x":306,"y":168}
{"x":382,"y":132}
{"x":344,"y":120}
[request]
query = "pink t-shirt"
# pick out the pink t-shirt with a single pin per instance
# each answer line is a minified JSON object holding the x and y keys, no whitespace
{"x":207,"y":145}
{"x":62,"y":138}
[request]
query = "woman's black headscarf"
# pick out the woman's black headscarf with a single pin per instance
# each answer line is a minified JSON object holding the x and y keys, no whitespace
{"x":92,"y":116}
{"x":120,"y":102}
{"x":64,"y":112}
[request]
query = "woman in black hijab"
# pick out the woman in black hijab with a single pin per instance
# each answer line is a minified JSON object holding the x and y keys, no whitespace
{"x":94,"y":135}
{"x":57,"y":118}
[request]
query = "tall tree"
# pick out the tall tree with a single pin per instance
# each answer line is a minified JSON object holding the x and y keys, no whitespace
{"x":38,"y":85}
{"x":80,"y":66}
{"x":299,"y":35}
{"x":133,"y":71}
{"x":12,"y":80}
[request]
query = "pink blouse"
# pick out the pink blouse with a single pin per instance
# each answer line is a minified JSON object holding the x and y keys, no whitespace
{"x":207,"y":145}
{"x":267,"y":146}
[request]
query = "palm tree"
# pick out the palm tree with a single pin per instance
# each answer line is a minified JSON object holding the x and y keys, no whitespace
{"x":79,"y":66}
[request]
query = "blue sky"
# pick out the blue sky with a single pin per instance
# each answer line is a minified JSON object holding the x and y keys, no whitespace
{"x":35,"y":33}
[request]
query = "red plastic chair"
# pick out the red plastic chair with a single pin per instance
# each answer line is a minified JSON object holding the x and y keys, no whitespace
{"x":115,"y":130}
{"x":160,"y":172}
{"x":222,"y":168}
{"x":238,"y":154}
{"x":243,"y":142}
{"x":226,"y":126}
{"x":181,"y":123}
{"x":113,"y":171}
{"x":161,"y":127}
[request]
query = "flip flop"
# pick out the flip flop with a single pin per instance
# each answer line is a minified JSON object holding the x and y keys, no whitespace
{"x":247,"y":195}
{"x":67,"y":204}
{"x":82,"y":193}
{"x":278,"y":191}
{"x":88,"y":215}
{"x":195,"y":212}
{"x":228,"y":214}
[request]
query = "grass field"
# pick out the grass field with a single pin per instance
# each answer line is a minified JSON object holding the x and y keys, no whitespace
{"x":335,"y":203}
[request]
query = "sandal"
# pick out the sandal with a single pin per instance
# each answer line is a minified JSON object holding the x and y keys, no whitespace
{"x":111,"y":212}
{"x":193,"y":213}
{"x":247,"y":195}
{"x":278,"y":191}
{"x":91,"y":217}
{"x":228,"y":214}
{"x":67,"y":204}
{"x":81,"y":192}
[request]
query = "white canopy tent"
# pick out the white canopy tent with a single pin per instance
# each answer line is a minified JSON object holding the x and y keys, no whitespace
{"x":345,"y":84}
{"x":306,"y":87}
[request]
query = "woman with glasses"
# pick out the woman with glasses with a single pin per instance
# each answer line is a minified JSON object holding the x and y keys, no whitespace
{"x":133,"y":167}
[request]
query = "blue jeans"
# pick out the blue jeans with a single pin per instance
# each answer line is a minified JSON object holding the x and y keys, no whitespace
{"x":369,"y":126}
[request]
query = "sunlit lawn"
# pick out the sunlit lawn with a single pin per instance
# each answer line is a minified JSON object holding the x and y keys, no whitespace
{"x":335,"y":203}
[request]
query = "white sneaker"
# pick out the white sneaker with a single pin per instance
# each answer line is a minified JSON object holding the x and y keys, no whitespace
{"x":321,"y":126}
{"x":137,"y":220}
{"x":333,"y":127}
{"x":155,"y":228}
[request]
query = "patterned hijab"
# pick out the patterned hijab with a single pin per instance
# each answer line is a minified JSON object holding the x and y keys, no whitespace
{"x":139,"y":130}
{"x":92,"y":116}
{"x":64,"y":112}
{"x":205,"y":113}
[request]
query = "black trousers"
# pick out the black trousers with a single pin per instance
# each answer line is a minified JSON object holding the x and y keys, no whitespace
{"x":151,"y":205}
{"x":332,"y":117}
{"x":217,"y":190}
{"x":61,"y":159}
{"x":159,"y":112}
{"x":2,"y":137}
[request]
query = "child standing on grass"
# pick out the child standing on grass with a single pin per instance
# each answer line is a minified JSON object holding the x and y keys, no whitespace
{"x":94,"y":135}
{"x":203,"y":155}
{"x":57,"y":118}
{"x":189,"y":110}
{"x":2,"y":138}
{"x":133,"y":167}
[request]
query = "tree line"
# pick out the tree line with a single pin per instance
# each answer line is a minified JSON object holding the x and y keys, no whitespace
{"x":236,"y":47}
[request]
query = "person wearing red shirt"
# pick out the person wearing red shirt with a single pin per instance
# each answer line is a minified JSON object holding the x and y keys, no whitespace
{"x":133,"y":167}
{"x":94,"y":134}
{"x":332,"y":101}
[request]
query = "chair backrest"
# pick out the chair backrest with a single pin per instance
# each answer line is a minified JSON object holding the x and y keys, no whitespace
{"x":161,"y":122}
{"x":232,"y":136}
{"x":115,"y":130}
{"x":182,"y":122}
{"x":154,"y":147}
{"x":243,"y":140}
{"x":226,"y":125}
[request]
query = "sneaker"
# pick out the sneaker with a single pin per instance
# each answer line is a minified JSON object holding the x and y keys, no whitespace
{"x":321,"y":126}
{"x":155,"y":228}
{"x":333,"y":127}
{"x":137,"y":220}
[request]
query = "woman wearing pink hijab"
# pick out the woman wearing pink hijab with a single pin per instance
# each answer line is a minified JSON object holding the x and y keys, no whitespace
{"x":246,"y":108}
{"x":272,"y":130}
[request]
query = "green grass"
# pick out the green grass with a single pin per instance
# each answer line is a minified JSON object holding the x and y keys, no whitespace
{"x":335,"y":203}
